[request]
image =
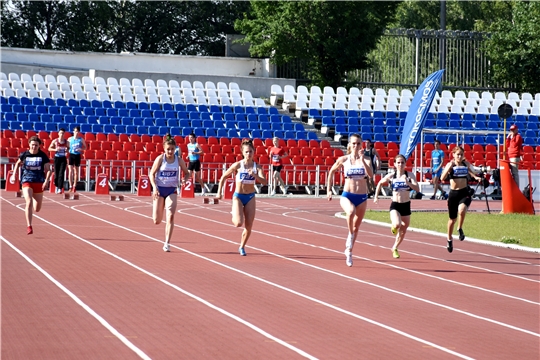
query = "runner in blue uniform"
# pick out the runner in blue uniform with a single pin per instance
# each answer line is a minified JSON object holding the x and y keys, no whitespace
{"x":36,"y":172}
{"x":243,"y":202}
{"x":356,"y":169}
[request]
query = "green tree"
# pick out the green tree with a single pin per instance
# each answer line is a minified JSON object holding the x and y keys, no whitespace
{"x":460,"y":15}
{"x":179,"y":27}
{"x":514,"y":47}
{"x":32,"y":24}
{"x":332,"y":37}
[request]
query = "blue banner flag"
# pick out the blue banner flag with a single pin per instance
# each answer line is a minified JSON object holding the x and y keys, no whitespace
{"x":416,"y":116}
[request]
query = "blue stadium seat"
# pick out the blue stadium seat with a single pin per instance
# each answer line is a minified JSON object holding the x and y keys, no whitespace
{"x":179,"y":107}
{"x":232,"y":133}
{"x":379,"y":137}
{"x":218,"y":124}
{"x":311,"y":135}
{"x":108,"y":129}
{"x":127,"y":120}
{"x":153,"y":130}
{"x":116,"y":120}
{"x":92,"y":120}
{"x":392,"y":138}
{"x":430,"y":123}
{"x":68,"y":119}
{"x":96,"y":128}
{"x":155,"y":107}
{"x":299,"y":127}
{"x":314,"y":114}
{"x":27,"y":101}
{"x":104,"y":120}
{"x":243,"y":133}
{"x":131,"y":129}
{"x":183,"y":123}
{"x":226,"y":109}
{"x":353,"y":113}
{"x":172,"y":122}
{"x":276,"y":126}
{"x":454,"y":124}
{"x":85,"y":128}
{"x":492,"y":140}
{"x":267,"y":134}
{"x":242,"y":125}
{"x":253,"y":125}
{"x":262,"y":110}
{"x":22,"y":117}
{"x":37,"y":101}
{"x":27,"y":125}
{"x":222,"y":132}
{"x":51,"y":126}
{"x":240,"y":117}
{"x":353,"y":121}
{"x":14,"y":125}
{"x":353,"y":129}
{"x":228,"y":117}
{"x":211,"y":132}
{"x":13,"y":100}
{"x":148,"y":121}
{"x":341,"y":129}
{"x":289,"y":135}
{"x":250,"y":110}
{"x":301,"y":135}
{"x":493,"y":125}
{"x":167,"y":107}
{"x":256,"y":134}
{"x":163,"y":130}
{"x":478,"y":139}
{"x":120,"y":129}
{"x":176,"y":131}
{"x":142,"y":130}
{"x":143,"y":106}
{"x":480,"y":125}
{"x":289,"y":127}
{"x":160,"y":122}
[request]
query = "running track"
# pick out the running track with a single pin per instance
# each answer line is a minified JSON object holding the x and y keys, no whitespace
{"x":93,"y":283}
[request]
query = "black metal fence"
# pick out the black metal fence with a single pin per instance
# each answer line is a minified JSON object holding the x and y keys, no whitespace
{"x":405,"y":57}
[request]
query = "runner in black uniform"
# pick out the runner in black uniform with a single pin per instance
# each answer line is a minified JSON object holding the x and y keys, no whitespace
{"x":36,"y":172}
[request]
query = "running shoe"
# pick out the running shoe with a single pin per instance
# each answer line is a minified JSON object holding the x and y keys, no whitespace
{"x":395,"y":254}
{"x":58,"y":191}
{"x":273,"y":193}
{"x":166,"y":247}
{"x":29,"y":230}
{"x":394,"y":230}
{"x":461,"y":234}
{"x":203,"y":191}
{"x":432,"y":198}
{"x":284,"y":190}
{"x":449,"y":246}
{"x":348,"y":255}
{"x":242,"y":251}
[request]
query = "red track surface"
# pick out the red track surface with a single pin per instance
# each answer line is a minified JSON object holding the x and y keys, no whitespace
{"x":292,"y":296}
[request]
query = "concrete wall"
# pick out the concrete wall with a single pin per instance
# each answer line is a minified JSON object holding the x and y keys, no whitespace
{"x":255,"y":75}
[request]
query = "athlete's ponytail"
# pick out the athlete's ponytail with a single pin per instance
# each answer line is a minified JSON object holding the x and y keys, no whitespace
{"x":168,"y":140}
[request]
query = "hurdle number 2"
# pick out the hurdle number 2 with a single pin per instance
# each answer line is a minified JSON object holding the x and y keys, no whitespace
{"x":187,"y":185}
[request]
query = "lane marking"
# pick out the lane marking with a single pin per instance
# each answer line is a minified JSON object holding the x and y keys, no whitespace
{"x":185,"y":292}
{"x":89,"y":310}
{"x":315,"y":267}
{"x":373,"y":322}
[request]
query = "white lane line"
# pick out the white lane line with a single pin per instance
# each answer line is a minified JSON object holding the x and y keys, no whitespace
{"x":89,"y":310}
{"x":185,"y":292}
{"x":484,"y":242}
{"x":373,"y":322}
{"x":404,"y":251}
{"x":363,"y":258}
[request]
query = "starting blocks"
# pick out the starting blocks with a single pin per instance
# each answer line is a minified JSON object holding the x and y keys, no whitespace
{"x":117,"y":197}
{"x":207,"y":200}
{"x":71,"y":196}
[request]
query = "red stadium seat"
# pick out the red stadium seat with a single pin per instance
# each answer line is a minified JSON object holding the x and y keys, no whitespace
{"x":212,"y":141}
{"x":316,"y":152}
{"x":224,"y":141}
{"x":89,"y":137}
{"x":100,"y":155}
{"x":150,"y":147}
{"x":106,"y":145}
{"x":117,"y":146}
{"x":144,"y":156}
{"x":201,"y":140}
{"x":123,"y":138}
{"x":134,"y":138}
{"x":112,"y":137}
{"x":101,"y":137}
{"x":145,"y":138}
{"x":291,"y":143}
{"x":325,"y":144}
{"x":128,"y":146}
{"x":156,"y":139}
{"x":236,"y":141}
{"x":294,"y":151}
{"x":302,"y":143}
{"x":133,"y":155}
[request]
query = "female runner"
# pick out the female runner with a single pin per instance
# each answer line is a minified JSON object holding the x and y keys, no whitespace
{"x":165,"y":179}
{"x":354,"y":196}
{"x":36,"y":172}
{"x":400,"y":208}
{"x":459,"y":198}
{"x":243,"y":202}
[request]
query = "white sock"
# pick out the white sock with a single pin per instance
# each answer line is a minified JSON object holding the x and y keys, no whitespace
{"x":348,"y":243}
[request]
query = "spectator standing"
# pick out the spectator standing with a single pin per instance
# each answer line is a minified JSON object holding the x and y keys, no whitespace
{"x":194,"y":156}
{"x":437,"y":158}
{"x":276,"y":154}
{"x":514,"y":148}
{"x":59,"y":146}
